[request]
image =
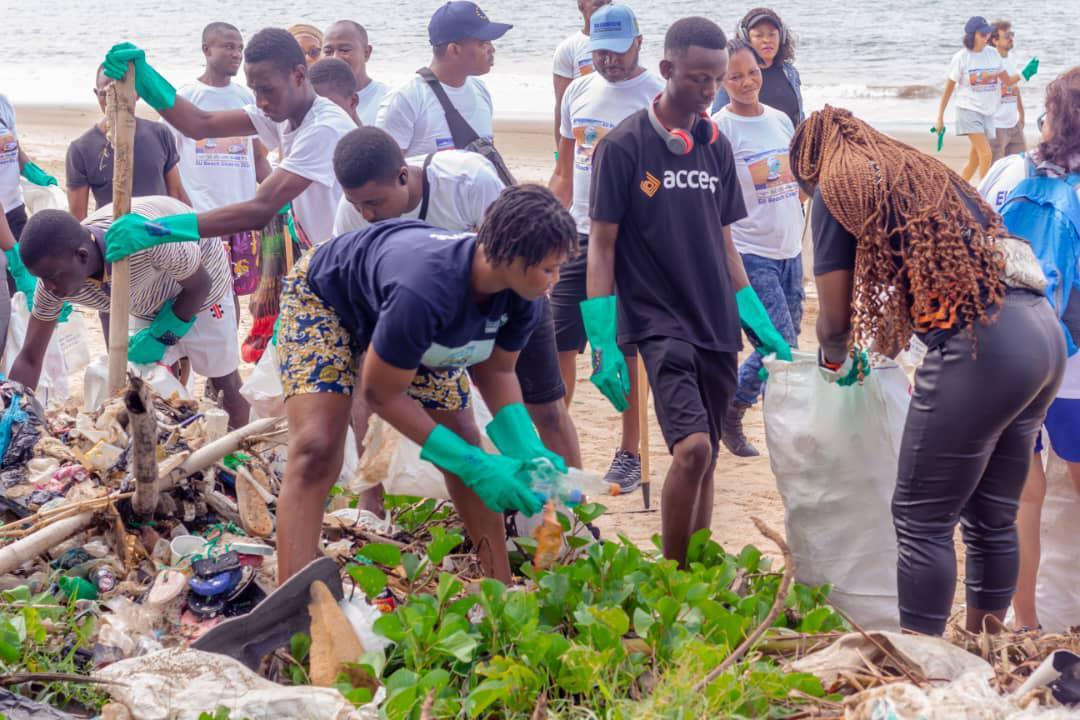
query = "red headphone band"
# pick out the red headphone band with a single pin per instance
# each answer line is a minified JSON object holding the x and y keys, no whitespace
{"x":687,"y":136}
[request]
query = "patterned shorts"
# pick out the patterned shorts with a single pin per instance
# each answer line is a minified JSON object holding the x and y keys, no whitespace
{"x":317,"y":354}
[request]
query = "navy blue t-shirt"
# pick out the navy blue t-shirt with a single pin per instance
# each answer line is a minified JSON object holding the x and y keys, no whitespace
{"x":402,"y":286}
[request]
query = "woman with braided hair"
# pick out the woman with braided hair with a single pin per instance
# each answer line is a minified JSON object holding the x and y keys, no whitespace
{"x":902,"y":245}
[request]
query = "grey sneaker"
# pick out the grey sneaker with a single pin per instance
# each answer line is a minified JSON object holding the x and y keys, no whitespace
{"x":731,"y":432}
{"x":625,"y":470}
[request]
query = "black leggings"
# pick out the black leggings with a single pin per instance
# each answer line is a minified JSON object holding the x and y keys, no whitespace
{"x":967,"y":445}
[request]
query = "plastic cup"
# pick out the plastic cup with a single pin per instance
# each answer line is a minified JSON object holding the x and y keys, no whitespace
{"x":184,"y":546}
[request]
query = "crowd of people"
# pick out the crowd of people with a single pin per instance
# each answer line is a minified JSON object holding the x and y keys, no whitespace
{"x":416,"y":267}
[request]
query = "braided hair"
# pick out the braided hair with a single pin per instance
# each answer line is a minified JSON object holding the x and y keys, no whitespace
{"x":526,"y":221}
{"x":920,"y":252}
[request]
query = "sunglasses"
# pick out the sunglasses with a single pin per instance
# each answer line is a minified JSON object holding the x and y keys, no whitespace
{"x":313,"y":52}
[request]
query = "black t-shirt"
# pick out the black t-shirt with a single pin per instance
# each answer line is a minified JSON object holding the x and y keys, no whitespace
{"x":90,"y":161}
{"x":834,"y":249}
{"x":671,"y":274}
{"x":776,"y":92}
{"x":403,"y":287}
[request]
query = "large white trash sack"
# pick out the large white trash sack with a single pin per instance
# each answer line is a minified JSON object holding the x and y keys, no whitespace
{"x":38,"y":197}
{"x":68,"y":351}
{"x":1057,"y":592}
{"x":834,"y":453}
{"x":181,"y":684}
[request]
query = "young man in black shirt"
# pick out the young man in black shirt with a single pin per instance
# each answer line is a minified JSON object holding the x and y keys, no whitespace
{"x":663,"y":198}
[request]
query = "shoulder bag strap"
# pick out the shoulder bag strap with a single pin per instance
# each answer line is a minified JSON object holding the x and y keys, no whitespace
{"x":427,"y":187}
{"x":460,"y":130}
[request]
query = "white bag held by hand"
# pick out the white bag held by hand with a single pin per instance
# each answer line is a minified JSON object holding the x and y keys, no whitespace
{"x":834,"y":453}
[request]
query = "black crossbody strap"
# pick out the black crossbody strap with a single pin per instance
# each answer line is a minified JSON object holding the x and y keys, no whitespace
{"x":427,"y":187}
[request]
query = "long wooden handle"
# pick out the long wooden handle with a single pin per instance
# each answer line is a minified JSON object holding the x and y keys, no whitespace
{"x":120,"y":113}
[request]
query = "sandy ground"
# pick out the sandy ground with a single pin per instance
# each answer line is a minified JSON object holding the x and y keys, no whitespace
{"x":744,"y":487}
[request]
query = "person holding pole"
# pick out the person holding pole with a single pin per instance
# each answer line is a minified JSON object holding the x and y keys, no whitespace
{"x":663,"y":269}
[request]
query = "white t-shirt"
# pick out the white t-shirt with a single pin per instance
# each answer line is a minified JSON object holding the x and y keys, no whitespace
{"x":216,"y":171}
{"x":773,"y":226}
{"x":1001,"y":178}
{"x":1008,"y":113}
{"x":572,"y":58}
{"x":415,"y":119}
{"x":368,"y":101}
{"x":10,"y":192}
{"x":308,"y":151}
{"x":978,"y":86}
{"x":591,"y":107}
{"x":462,"y":185}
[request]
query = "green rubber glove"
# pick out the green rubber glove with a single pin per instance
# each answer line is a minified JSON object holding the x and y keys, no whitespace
{"x":759,"y":327}
{"x":855,"y":369}
{"x":24,"y":281}
{"x":65,"y":313}
{"x":32,"y":172}
{"x":149,"y":344}
{"x":610,"y":374}
{"x":149,"y":84}
{"x":513,"y":433}
{"x":1030,"y":69}
{"x":500,"y":481}
{"x":940,"y":136}
{"x":133,"y":233}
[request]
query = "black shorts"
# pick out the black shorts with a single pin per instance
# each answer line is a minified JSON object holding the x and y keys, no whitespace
{"x":538,"y":364}
{"x":691,"y":387}
{"x":566,"y":299}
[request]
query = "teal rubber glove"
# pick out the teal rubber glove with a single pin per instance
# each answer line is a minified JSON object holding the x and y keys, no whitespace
{"x":513,"y":433}
{"x":133,"y":233}
{"x":610,"y":374}
{"x":759,"y":327}
{"x":940,"y":136}
{"x":149,"y":84}
{"x":24,"y":281}
{"x":854,"y":369}
{"x":32,"y":172}
{"x":1030,"y":69}
{"x":149,"y":344}
{"x":500,"y":481}
{"x":65,"y":313}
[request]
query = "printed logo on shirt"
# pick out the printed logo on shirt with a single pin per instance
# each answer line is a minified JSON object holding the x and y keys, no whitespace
{"x":1010,"y":93}
{"x":584,"y":65}
{"x":231,"y":152}
{"x":650,"y":185}
{"x":216,"y":311}
{"x":771,"y":174}
{"x":443,"y":143}
{"x":983,"y":79}
{"x":9,"y":147}
{"x":587,"y":132}
{"x":690,"y":179}
{"x":440,"y":356}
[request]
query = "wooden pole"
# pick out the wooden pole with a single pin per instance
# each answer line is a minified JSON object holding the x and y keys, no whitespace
{"x":643,"y":428}
{"x":120,"y":114}
{"x":144,"y":431}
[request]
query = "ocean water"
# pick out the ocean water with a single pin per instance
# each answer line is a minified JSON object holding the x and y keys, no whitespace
{"x":884,"y":61}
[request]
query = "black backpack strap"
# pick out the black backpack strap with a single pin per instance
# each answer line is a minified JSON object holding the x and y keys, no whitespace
{"x":426,"y":185}
{"x":460,"y":130}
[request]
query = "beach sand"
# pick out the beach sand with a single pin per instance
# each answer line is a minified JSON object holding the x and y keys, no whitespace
{"x":744,"y":487}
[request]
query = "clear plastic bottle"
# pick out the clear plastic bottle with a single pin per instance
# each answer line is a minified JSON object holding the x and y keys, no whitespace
{"x":570,"y":487}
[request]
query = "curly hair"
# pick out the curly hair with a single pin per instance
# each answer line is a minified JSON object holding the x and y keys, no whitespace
{"x":923,"y":260}
{"x":1063,"y":114}
{"x":786,"y":51}
{"x":526,"y":221}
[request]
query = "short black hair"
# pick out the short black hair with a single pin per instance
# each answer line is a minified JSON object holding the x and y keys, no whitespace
{"x":217,"y":27}
{"x":50,"y":233}
{"x":355,"y":26}
{"x":366,"y":154}
{"x":333,"y":74}
{"x":526,"y":221}
{"x":737,"y":44}
{"x":276,"y":45}
{"x":694,"y":31}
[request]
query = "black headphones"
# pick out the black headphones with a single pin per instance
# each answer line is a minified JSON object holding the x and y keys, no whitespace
{"x":679,"y":141}
{"x":748,"y":23}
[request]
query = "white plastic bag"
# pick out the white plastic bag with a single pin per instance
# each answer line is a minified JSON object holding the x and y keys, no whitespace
{"x":834,"y":453}
{"x":53,"y":384}
{"x":158,"y":377}
{"x":263,"y":389}
{"x":37,"y":197}
{"x":1057,"y":591}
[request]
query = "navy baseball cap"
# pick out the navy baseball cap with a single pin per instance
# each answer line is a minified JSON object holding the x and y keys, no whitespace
{"x":463,"y":20}
{"x":977,"y":24}
{"x":613,"y":28}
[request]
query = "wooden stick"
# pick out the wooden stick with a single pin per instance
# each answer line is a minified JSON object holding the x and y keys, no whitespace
{"x":774,"y":611}
{"x":33,"y":545}
{"x":643,"y":427}
{"x":142,"y":424}
{"x":120,"y":112}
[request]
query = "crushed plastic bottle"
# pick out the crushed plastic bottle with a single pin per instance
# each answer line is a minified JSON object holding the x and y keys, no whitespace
{"x":571,"y":487}
{"x":549,"y":538}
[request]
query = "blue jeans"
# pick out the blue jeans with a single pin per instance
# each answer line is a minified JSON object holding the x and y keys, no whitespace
{"x":779,"y":284}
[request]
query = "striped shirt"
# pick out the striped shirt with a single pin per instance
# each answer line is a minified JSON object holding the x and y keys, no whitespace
{"x":156,"y":272}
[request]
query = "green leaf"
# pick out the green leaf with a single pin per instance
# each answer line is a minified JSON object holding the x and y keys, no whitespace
{"x":10,"y":643}
{"x":442,"y":543}
{"x":814,"y":620}
{"x":299,"y":646}
{"x":485,"y":695}
{"x":412,"y":563}
{"x":459,"y":645}
{"x":449,"y":586}
{"x":370,"y":579}
{"x":390,"y":627}
{"x":381,"y":553}
{"x":575,"y":542}
{"x":527,"y":545}
{"x":587,"y":512}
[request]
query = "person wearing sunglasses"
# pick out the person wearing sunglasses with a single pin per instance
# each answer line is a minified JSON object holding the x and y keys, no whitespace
{"x":311,"y":41}
{"x":1009,"y":119}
